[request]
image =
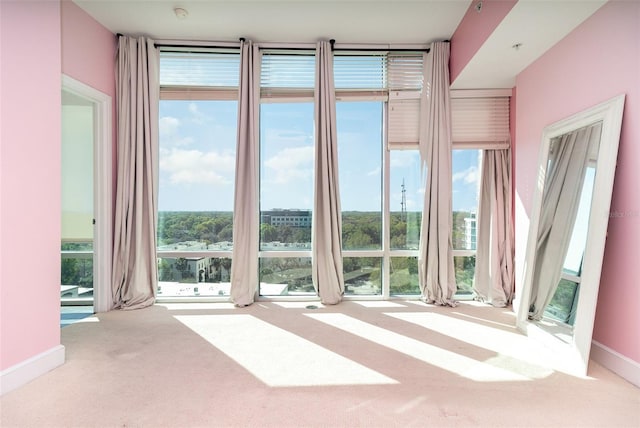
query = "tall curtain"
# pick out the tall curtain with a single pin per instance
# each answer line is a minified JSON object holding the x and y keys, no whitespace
{"x":493,"y":282}
{"x":326,"y":235}
{"x":564,"y":179}
{"x":244,"y":268}
{"x":135,"y":275}
{"x":435,"y":258}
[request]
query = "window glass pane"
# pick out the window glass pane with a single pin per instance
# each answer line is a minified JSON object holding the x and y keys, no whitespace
{"x":76,"y":274}
{"x":359,"y":127}
{"x":286,"y":176}
{"x":465,"y":267}
{"x":404,"y":275}
{"x":282,"y":276}
{"x":407,"y":199}
{"x":362,"y":275}
{"x":193,"y":276}
{"x":466,"y":182}
{"x":197,"y":174}
{"x":563,"y":301}
{"x":573,"y":261}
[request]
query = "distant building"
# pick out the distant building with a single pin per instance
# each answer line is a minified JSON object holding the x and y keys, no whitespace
{"x":196,"y":269}
{"x":292,"y":218}
{"x":470,"y":232}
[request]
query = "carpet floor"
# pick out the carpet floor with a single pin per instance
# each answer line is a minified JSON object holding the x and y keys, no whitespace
{"x":300,"y":364}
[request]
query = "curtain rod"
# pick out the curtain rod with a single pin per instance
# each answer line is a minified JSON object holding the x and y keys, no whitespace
{"x":333,"y":48}
{"x":332,"y":41}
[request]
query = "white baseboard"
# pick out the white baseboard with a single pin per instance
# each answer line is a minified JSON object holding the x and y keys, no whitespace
{"x":623,"y":366}
{"x":24,"y":372}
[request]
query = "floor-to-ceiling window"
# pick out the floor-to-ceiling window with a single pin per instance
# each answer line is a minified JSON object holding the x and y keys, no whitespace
{"x":286,"y":172}
{"x":466,"y":173}
{"x":198,"y":116}
{"x":381,"y":174}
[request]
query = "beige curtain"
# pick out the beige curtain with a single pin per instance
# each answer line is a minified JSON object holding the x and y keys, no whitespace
{"x":244,"y":268}
{"x":134,"y":248}
{"x":563,"y":183}
{"x":493,"y":281}
{"x":435,"y":258}
{"x":326,"y":234}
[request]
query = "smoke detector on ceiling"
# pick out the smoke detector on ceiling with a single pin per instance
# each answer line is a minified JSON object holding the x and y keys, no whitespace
{"x":478,"y":7}
{"x":180,"y":12}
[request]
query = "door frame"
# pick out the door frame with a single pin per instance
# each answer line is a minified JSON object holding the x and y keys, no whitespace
{"x":102,"y":189}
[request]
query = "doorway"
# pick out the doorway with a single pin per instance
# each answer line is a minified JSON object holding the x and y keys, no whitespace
{"x":86,"y":201}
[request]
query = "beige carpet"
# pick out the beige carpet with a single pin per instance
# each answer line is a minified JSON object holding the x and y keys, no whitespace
{"x":358,"y":364}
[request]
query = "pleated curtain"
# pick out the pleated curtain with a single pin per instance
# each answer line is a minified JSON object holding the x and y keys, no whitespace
{"x":326,"y":233}
{"x":435,"y":258}
{"x":244,"y":268}
{"x":494,"y":278}
{"x":564,"y":178}
{"x":135,"y":279}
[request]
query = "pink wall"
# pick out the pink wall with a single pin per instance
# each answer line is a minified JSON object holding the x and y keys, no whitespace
{"x":88,"y":55}
{"x":88,"y":50}
{"x":473,"y":31}
{"x":598,"y":60}
{"x":30,"y":183}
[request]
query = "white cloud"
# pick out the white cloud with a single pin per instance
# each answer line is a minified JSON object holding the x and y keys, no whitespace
{"x":286,"y":137}
{"x":197,"y":167}
{"x":374,"y":172}
{"x":169,"y":128}
{"x":196,"y":115}
{"x":469,"y":175}
{"x":404,"y":158}
{"x":290,"y":164}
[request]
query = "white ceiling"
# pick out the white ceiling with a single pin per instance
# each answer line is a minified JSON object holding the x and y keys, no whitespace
{"x":537,"y":24}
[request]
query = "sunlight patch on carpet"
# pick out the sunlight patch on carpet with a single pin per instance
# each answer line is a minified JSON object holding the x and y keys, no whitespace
{"x":277,"y":357}
{"x":514,"y":351}
{"x":299,"y":305}
{"x":195,"y":306}
{"x":379,"y":304}
{"x":438,"y":357}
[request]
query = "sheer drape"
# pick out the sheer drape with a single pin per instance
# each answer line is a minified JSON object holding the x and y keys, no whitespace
{"x":493,"y":282}
{"x":134,"y":248}
{"x":565,"y":175}
{"x":326,"y":237}
{"x":435,"y":259}
{"x":244,"y":268}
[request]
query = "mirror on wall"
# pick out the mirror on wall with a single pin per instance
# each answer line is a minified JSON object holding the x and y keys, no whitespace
{"x":568,"y":227}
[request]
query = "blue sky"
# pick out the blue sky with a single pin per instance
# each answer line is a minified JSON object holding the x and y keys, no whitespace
{"x":197,"y":159}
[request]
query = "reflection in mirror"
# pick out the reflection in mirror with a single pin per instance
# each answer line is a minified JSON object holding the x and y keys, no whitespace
{"x":570,"y":157}
{"x":567,"y":233}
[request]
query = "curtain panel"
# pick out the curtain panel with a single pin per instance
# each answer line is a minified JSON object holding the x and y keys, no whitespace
{"x":244,"y":267}
{"x":435,"y":258}
{"x":494,"y":278}
{"x":326,"y":233}
{"x":134,"y":249}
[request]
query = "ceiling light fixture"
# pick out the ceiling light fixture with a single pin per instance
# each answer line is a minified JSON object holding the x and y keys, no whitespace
{"x":180,"y":12}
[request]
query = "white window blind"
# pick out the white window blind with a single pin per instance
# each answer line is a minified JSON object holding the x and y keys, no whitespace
{"x":393,"y":77}
{"x":287,"y":74}
{"x":359,"y":73}
{"x":479,"y":121}
{"x":405,"y":80}
{"x":207,"y":74}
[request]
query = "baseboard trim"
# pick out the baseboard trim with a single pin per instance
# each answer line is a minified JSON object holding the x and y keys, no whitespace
{"x":616,"y":362}
{"x":24,"y":372}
